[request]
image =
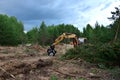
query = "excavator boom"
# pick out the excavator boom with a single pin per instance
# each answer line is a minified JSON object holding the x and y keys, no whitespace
{"x":51,"y":50}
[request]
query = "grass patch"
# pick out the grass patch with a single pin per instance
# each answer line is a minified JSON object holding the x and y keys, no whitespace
{"x":53,"y":77}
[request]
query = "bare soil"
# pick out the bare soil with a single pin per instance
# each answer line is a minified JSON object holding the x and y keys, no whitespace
{"x":33,"y":63}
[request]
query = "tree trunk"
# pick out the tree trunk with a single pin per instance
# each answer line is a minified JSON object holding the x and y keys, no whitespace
{"x":116,"y":34}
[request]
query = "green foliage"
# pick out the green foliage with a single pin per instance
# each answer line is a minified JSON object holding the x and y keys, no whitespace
{"x":99,"y":34}
{"x":85,"y":51}
{"x":33,"y":35}
{"x":45,"y":35}
{"x":88,"y":32}
{"x":110,"y":53}
{"x":53,"y":77}
{"x":116,"y":25}
{"x":107,"y":54}
{"x":57,"y":30}
{"x":11,"y":31}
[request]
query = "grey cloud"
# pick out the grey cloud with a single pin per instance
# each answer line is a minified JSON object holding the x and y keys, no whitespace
{"x":32,"y":12}
{"x":39,"y":11}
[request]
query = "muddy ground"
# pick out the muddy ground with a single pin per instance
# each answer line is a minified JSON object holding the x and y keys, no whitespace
{"x":32,"y":63}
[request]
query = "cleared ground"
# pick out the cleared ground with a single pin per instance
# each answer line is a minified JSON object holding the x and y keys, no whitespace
{"x":32,"y":63}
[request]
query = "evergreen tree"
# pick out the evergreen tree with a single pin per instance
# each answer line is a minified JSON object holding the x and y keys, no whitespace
{"x":33,"y":35}
{"x":88,"y":32}
{"x":11,"y":30}
{"x":43,"y":35}
{"x":116,"y":24}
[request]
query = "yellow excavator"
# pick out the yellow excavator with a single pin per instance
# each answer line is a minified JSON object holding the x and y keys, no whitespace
{"x":51,"y":51}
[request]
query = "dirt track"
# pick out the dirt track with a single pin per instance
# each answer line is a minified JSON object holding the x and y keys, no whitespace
{"x":32,"y":63}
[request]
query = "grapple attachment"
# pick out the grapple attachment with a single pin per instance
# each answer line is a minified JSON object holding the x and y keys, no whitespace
{"x":51,"y":51}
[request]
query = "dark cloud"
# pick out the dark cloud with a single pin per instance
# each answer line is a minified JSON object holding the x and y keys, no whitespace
{"x":32,"y":11}
{"x":43,"y":9}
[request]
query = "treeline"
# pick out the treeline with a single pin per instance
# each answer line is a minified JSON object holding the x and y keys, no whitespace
{"x":45,"y":35}
{"x":11,"y":30}
{"x":98,"y":33}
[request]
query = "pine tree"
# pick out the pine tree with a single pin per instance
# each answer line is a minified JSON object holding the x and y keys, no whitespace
{"x":116,"y":25}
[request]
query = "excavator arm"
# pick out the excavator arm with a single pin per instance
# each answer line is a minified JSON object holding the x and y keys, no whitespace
{"x":51,"y":50}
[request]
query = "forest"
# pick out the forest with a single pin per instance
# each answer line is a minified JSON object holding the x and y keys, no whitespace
{"x":103,"y":42}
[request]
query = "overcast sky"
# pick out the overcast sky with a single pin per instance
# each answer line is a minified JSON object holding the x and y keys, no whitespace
{"x":76,"y":12}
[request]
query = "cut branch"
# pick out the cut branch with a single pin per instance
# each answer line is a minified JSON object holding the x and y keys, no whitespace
{"x":11,"y":75}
